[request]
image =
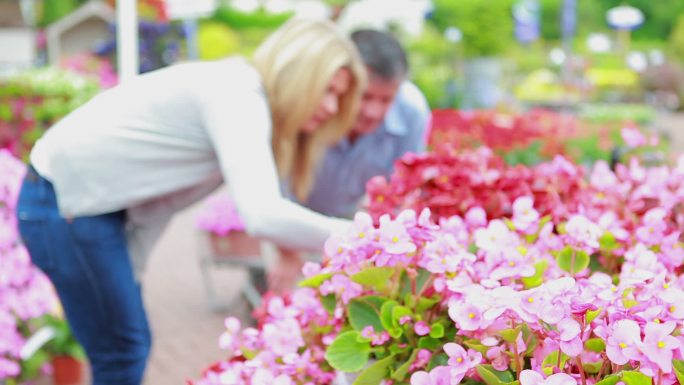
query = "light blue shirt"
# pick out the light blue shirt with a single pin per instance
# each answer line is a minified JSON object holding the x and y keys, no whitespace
{"x":341,"y":179}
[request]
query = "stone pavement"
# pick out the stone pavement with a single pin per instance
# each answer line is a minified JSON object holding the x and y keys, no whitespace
{"x":185,"y":331}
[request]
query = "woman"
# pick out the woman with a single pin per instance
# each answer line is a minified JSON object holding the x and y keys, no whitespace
{"x":107,"y":178}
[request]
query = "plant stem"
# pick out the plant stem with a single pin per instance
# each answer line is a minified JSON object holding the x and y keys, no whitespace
{"x":660,"y":377}
{"x":581,"y":370}
{"x":559,"y":360}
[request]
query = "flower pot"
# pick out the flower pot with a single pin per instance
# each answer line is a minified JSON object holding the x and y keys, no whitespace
{"x":234,"y":244}
{"x":67,"y":370}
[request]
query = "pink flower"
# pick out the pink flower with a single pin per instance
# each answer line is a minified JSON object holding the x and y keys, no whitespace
{"x":283,"y":336}
{"x":341,"y":285}
{"x":659,"y":344}
{"x":624,"y":341}
{"x":498,"y":358}
{"x":228,"y":338}
{"x":525,"y":217}
{"x":584,"y":231}
{"x":394,"y":238}
{"x":633,"y":137}
{"x":466,"y":316}
{"x":570,"y":338}
{"x":440,"y":375}
{"x":460,"y":360}
{"x":530,"y":377}
{"x":421,"y":328}
{"x":476,"y":217}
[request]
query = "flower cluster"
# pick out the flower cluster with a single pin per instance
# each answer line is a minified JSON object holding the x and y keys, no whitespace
{"x":219,"y":216}
{"x":452,"y":183}
{"x":501,"y":131}
{"x":25,"y":293}
{"x":472,"y":299}
{"x":31,"y":101}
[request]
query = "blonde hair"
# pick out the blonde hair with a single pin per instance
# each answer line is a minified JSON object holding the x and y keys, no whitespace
{"x":296,"y":64}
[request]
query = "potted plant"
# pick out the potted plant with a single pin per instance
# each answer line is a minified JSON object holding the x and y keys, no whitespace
{"x":222,"y":224}
{"x":66,"y":354}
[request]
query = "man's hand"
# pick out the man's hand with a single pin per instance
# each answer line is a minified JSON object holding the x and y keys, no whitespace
{"x":286,"y":271}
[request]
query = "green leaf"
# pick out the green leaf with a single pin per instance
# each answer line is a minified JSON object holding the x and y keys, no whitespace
{"x":422,"y":278}
{"x":399,"y":312}
{"x":426,"y":303}
{"x":402,"y":371}
{"x":316,"y":280}
{"x":492,"y":376}
{"x":573,"y":261}
{"x":592,"y":367}
{"x":387,"y":320}
{"x":374,"y":374}
{"x":429,"y":343}
{"x":678,"y":366}
{"x":437,"y":330}
{"x":374,"y":277}
{"x":609,"y":380}
{"x":636,"y":378}
{"x":476,"y":345}
{"x":440,"y":359}
{"x":365,"y":312}
{"x":538,"y":278}
{"x":552,"y":359}
{"x":347,"y":353}
{"x":329,"y":303}
{"x":607,"y":242}
{"x":592,"y":314}
{"x":595,"y":345}
{"x":510,"y":335}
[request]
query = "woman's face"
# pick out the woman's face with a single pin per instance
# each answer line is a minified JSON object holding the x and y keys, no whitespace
{"x":330,"y":104}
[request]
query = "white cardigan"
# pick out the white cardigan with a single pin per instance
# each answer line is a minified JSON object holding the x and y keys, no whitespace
{"x":166,"y":139}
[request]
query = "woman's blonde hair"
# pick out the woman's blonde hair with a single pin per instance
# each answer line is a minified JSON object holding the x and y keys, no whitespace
{"x":296,"y":64}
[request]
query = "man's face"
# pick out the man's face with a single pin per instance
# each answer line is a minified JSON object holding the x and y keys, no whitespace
{"x":377,"y":99}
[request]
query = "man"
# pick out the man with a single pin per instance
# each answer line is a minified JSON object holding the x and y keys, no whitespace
{"x":392,"y":121}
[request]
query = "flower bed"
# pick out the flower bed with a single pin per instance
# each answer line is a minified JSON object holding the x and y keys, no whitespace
{"x":25,"y":293}
{"x":33,"y":100}
{"x":539,"y":135}
{"x":591,"y":296}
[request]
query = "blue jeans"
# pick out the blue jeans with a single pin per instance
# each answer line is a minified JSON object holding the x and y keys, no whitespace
{"x":87,"y":260}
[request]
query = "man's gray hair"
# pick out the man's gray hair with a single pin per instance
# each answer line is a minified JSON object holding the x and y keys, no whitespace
{"x":382,"y":53}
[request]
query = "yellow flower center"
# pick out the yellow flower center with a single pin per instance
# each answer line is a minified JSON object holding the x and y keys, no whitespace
{"x":380,"y":198}
{"x":511,"y":263}
{"x":459,"y":360}
{"x":471,"y":315}
{"x":661,"y":344}
{"x":378,"y":251}
{"x":395,"y":239}
{"x":623,"y":345}
{"x":656,"y":321}
{"x":340,"y":250}
{"x":444,"y":261}
{"x":666,"y":286}
{"x":530,"y":300}
{"x":651,"y":230}
{"x":672,"y":308}
{"x":613,"y":289}
{"x":362,"y":235}
{"x":522,"y":250}
{"x":600,"y":195}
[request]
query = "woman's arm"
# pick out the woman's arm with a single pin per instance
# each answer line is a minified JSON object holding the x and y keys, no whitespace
{"x":240,"y":129}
